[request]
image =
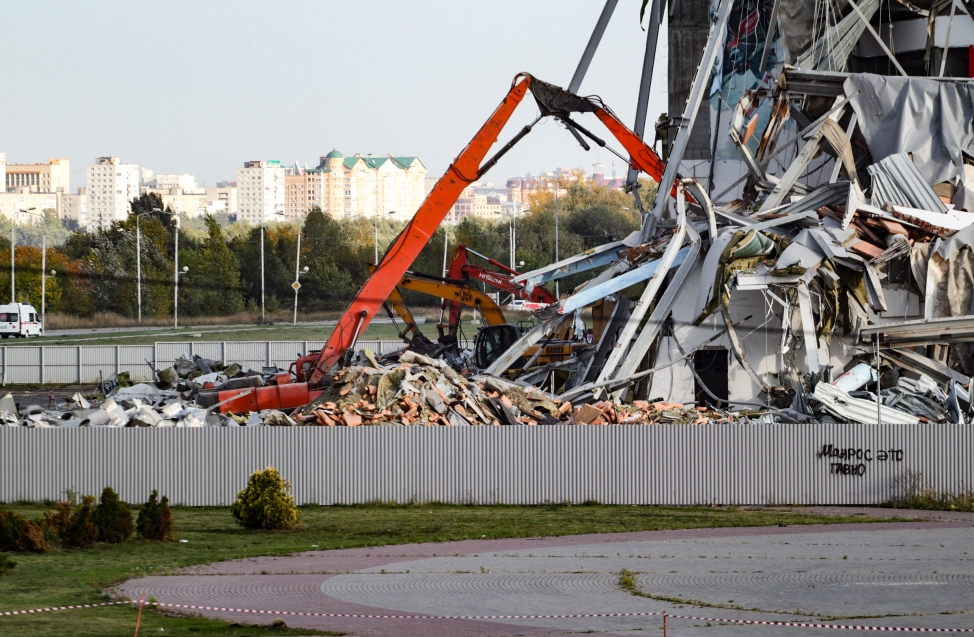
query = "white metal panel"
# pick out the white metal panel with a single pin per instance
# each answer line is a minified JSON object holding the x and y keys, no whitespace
{"x":23,"y":365}
{"x":167,"y":353}
{"x":658,"y":464}
{"x":250,"y":353}
{"x":95,"y":359}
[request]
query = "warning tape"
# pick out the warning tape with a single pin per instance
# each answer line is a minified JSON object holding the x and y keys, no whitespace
{"x":362,"y":616}
{"x":897,"y":629}
{"x":753,"y":622}
{"x":334,"y":615}
{"x":6,"y":613}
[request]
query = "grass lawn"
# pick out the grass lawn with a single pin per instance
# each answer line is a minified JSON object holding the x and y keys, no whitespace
{"x":280,"y":331}
{"x":72,"y":576}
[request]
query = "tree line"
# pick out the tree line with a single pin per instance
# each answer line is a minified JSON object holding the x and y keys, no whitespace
{"x":96,"y":272}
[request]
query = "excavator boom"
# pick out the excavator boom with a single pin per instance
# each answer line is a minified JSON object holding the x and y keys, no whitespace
{"x":454,"y":292}
{"x":467,"y":168}
{"x":407,"y":246}
{"x":462,"y":269}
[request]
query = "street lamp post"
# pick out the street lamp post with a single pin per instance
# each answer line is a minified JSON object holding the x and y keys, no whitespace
{"x":297,"y":276}
{"x":513,"y":241}
{"x":176,"y":273}
{"x":44,"y":277}
{"x":175,"y":302}
{"x":276,"y":212}
{"x":388,"y":212}
{"x":13,"y":259}
{"x":557,"y":292}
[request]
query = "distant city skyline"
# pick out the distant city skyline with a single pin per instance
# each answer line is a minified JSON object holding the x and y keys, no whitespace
{"x":181,"y":87}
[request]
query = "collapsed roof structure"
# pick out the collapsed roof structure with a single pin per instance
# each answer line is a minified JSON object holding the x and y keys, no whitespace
{"x":827,"y":223}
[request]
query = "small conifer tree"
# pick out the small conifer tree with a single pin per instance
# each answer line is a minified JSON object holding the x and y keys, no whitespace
{"x":155,"y":519}
{"x":113,"y":518}
{"x":82,"y":532}
{"x":266,"y":503}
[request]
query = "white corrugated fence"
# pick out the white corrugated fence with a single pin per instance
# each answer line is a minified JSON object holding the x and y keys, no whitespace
{"x":725,"y":464}
{"x":82,"y":364}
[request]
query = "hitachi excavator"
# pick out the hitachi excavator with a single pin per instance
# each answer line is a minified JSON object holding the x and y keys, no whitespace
{"x":552,"y":101}
{"x":491,"y":340}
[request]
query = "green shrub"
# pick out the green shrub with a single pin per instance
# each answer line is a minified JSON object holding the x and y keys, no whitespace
{"x":266,"y":502}
{"x":17,"y":533}
{"x":55,"y":522}
{"x":6,"y":563}
{"x":113,"y":518}
{"x":155,"y":519}
{"x":81,"y":531}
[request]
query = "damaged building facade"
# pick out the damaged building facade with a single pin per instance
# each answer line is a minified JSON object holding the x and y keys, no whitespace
{"x":827,"y":217}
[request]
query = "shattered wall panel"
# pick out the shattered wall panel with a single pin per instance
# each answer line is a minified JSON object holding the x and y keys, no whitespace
{"x":930,"y":119}
{"x":726,"y":464}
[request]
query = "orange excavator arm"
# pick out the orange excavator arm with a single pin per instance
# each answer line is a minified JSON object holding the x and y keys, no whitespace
{"x":462,"y":269}
{"x":455,"y":292}
{"x":467,"y":168}
{"x":462,"y":172}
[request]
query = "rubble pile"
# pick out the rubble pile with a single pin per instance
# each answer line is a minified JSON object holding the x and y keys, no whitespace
{"x":427,"y":391}
{"x":420,"y":390}
{"x":909,"y":401}
{"x":169,"y":402}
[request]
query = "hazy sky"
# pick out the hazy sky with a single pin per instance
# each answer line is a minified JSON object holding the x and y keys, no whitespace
{"x":200,"y":87}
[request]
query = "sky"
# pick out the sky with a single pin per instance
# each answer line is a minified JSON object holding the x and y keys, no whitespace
{"x":200,"y":87}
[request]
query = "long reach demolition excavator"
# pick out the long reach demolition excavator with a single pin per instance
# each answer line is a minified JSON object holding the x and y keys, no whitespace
{"x":552,"y":101}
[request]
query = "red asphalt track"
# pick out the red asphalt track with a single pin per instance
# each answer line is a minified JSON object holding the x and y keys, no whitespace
{"x":292,"y":583}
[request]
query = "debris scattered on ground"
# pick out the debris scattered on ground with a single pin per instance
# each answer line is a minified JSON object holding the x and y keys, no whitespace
{"x":169,"y":402}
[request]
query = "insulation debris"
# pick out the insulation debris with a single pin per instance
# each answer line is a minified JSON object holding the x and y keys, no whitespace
{"x":172,"y":401}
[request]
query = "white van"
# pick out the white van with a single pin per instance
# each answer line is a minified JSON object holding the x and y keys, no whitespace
{"x":19,"y":320}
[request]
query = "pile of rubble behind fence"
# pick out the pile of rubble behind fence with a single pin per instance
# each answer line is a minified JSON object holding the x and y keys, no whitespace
{"x":169,"y":402}
{"x":416,"y":390}
{"x":421,"y":391}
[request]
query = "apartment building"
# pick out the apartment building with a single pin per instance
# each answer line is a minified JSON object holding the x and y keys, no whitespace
{"x":54,"y":176}
{"x":111,"y":185}
{"x":470,"y":203}
{"x":151,"y":181}
{"x":191,"y":204}
{"x":304,"y":191}
{"x":392,"y":186}
{"x":24,"y":207}
{"x":260,"y":191}
{"x":74,"y":208}
{"x":223,"y":198}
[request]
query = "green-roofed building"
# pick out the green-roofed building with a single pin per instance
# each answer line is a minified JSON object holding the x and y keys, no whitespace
{"x":389,"y":186}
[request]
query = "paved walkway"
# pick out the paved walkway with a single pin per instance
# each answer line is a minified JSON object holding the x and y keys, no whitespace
{"x":884,"y":574}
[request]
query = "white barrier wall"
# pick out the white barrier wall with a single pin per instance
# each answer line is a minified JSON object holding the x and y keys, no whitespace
{"x":82,"y":364}
{"x":661,"y":464}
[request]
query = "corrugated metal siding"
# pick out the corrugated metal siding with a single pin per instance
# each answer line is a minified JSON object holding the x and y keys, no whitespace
{"x":668,"y":464}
